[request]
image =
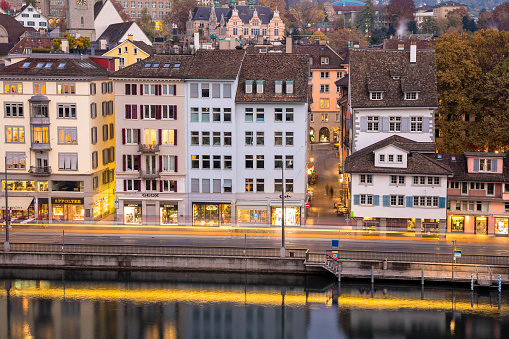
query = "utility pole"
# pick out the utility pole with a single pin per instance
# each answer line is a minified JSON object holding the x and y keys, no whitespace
{"x":283,"y":250}
{"x":7,"y":216}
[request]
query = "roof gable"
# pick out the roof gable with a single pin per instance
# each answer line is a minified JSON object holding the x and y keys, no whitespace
{"x":177,"y":67}
{"x":13,"y":28}
{"x":216,"y":64}
{"x":54,"y":67}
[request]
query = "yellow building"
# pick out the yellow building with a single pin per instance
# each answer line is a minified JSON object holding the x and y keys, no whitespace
{"x":129,"y":52}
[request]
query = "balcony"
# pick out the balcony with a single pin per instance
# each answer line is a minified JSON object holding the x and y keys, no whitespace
{"x":40,"y":120}
{"x":40,"y":171}
{"x":40,"y":146}
{"x":148,"y":148}
{"x":152,"y":174}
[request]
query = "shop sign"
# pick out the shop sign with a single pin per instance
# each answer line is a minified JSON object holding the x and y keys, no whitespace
{"x":150,"y":195}
{"x":67,"y":201}
{"x":132,"y":205}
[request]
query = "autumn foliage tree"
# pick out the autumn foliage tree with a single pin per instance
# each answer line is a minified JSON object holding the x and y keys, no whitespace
{"x":401,"y":11}
{"x":501,"y":16}
{"x":5,"y":5}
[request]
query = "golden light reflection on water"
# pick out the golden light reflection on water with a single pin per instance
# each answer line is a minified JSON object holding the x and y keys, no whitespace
{"x":147,"y":294}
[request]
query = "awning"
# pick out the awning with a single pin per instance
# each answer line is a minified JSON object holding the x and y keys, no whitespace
{"x":16,"y":203}
{"x":251,"y":203}
{"x":288,"y":203}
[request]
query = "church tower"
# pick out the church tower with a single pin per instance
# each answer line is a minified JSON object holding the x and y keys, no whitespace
{"x":80,"y":18}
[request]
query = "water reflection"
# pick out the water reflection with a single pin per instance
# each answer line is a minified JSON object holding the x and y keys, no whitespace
{"x":220,"y":306}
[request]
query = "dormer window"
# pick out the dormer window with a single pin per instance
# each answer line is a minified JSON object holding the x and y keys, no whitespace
{"x":376,"y":95}
{"x":400,"y":158}
{"x":325,"y":60}
{"x":484,"y":165}
{"x":411,"y":95}
{"x":249,"y":86}
{"x":279,"y":87}
{"x":391,"y":158}
{"x":289,"y":87}
{"x":396,"y":77}
{"x":259,"y":86}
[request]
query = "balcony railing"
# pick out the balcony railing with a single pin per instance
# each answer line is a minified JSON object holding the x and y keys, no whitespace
{"x":41,"y":146}
{"x":42,"y":171}
{"x":148,"y":148}
{"x":153,"y":174}
{"x":39,"y":120}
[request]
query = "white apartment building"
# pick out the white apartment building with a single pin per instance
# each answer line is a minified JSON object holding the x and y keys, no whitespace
{"x":29,"y":16}
{"x":58,"y":132}
{"x":150,"y":125}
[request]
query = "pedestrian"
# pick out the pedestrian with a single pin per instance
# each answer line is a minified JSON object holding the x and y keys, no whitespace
{"x":331,"y":192}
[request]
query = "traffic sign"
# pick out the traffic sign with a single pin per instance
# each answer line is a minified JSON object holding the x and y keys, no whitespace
{"x":335,"y":255}
{"x":335,"y":243}
{"x":307,"y":204}
{"x":457,"y":254}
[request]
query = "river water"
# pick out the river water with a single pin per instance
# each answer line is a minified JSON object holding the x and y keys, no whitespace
{"x":106,"y":304}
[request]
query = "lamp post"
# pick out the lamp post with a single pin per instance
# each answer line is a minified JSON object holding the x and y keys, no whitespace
{"x":7,"y":216}
{"x":283,"y":250}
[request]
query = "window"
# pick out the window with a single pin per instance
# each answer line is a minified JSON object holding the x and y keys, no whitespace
{"x":249,"y":115}
{"x":39,"y":88}
{"x":105,"y":132}
{"x":132,"y":162}
{"x":400,"y":158}
{"x":485,"y":165}
{"x":227,"y":138}
{"x":421,"y":201}
{"x":205,"y":162}
{"x":93,"y":111}
{"x":397,"y":200}
{"x":260,"y":185}
{"x":249,"y":185}
{"x":324,"y":75}
{"x":366,"y":179}
{"x":68,"y":161}
{"x":260,"y":115}
{"x":289,"y":162}
{"x":289,"y":186}
{"x":216,"y":114}
{"x":14,"y":88}
{"x":216,"y":90}
{"x":227,"y":115}
{"x":411,"y":96}
{"x":168,"y":163}
{"x":260,"y":161}
{"x":205,"y":114}
{"x":14,"y":110}
{"x":67,"y":135}
{"x":194,"y":90}
{"x":391,"y":158}
{"x":278,"y":161}
{"x":366,"y":199}
{"x":195,"y":161}
{"x":490,"y":190}
{"x":278,"y":185}
{"x":289,"y":138}
{"x":66,"y":111}
{"x":421,"y":180}
{"x":382,"y":157}
{"x":324,"y":60}
{"x":205,"y":92}
{"x":376,"y":95}
{"x":249,"y":138}
{"x":324,"y":103}
{"x":324,"y":88}
{"x":121,"y":62}
{"x":14,"y":134}
{"x":216,"y":162}
{"x":395,"y":124}
{"x":93,"y":135}
{"x":259,"y":86}
{"x":227,"y":90}
{"x":15,"y":160}
{"x":416,"y":124}
{"x":249,"y":161}
{"x":131,"y":135}
{"x":93,"y":88}
{"x":66,"y":88}
{"x":150,"y":185}
{"x":278,"y":114}
{"x":372,"y":124}
{"x":216,"y":138}
{"x":227,"y":185}
{"x":195,"y":115}
{"x":169,"y":185}
{"x":249,"y":86}
{"x":167,"y":137}
{"x":311,"y":117}
{"x":260,"y":138}
{"x":205,"y":138}
{"x":195,"y":138}
{"x":227,"y":162}
{"x":278,"y":138}
{"x":278,"y":87}
{"x":289,"y":115}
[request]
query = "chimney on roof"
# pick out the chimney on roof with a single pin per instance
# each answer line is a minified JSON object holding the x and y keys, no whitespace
{"x":413,"y":52}
{"x":289,"y":44}
{"x":65,"y":46}
{"x":401,"y":46}
{"x":130,"y":37}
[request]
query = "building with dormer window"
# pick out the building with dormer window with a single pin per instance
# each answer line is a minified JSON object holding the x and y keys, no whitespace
{"x":29,"y":16}
{"x":397,"y":184}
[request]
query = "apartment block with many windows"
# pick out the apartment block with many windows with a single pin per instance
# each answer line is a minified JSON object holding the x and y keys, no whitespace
{"x":58,"y":133}
{"x":150,"y":123}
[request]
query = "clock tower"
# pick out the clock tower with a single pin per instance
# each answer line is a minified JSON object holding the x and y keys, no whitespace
{"x":80,"y":18}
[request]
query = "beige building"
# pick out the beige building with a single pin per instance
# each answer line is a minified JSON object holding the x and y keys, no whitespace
{"x":150,"y":128}
{"x":441,"y":10}
{"x":58,"y":134}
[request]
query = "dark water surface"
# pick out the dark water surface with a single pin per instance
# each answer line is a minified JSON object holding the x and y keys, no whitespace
{"x":68,"y":304}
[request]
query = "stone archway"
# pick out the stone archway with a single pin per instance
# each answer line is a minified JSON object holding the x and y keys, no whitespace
{"x":324,"y":135}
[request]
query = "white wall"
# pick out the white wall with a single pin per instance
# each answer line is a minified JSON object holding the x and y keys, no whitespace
{"x":107,"y":16}
{"x":29,"y":16}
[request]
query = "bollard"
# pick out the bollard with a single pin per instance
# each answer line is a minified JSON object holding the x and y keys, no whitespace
{"x":339,"y":273}
{"x":422,"y":276}
{"x":471,"y":281}
{"x":385,"y":264}
{"x":499,"y":283}
{"x":372,"y":274}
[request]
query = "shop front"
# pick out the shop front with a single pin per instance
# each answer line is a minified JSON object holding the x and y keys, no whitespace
{"x":168,"y":213}
{"x":68,"y":209}
{"x":42,"y":209}
{"x":292,"y":215}
{"x":21,"y":208}
{"x":212,"y":214}
{"x":501,"y":226}
{"x":481,"y":225}
{"x":457,"y":224}
{"x":101,"y":207}
{"x":132,"y":213}
{"x":252,"y":213}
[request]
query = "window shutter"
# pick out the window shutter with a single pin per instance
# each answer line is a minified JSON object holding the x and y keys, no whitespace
{"x":356,"y":199}
{"x":127,"y":89}
{"x":175,"y":93}
{"x":127,"y":109}
{"x":364,"y":124}
{"x":133,"y":89}
{"x":160,"y":163}
{"x":494,"y":164}
{"x":387,"y":200}
{"x":138,"y":159}
{"x":175,"y":137}
{"x":141,"y":89}
{"x":194,"y":90}
{"x":385,"y":124}
{"x":175,"y":112}
{"x":409,"y":201}
{"x":139,"y":185}
{"x":141,"y":112}
{"x":441,"y":202}
{"x":158,"y":112}
{"x":425,"y":124}
{"x":476,"y":165}
{"x":376,"y":200}
{"x":124,"y":162}
{"x":176,"y":163}
{"x":175,"y":183}
{"x":125,"y":185}
{"x":160,"y":186}
{"x":405,"y":124}
{"x":134,"y":112}
{"x":61,"y":158}
{"x":160,"y":135}
{"x":216,"y":90}
{"x":139,"y":136}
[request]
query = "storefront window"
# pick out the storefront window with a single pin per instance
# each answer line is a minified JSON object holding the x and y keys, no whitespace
{"x":20,"y":185}
{"x":481,"y":225}
{"x":132,"y":214}
{"x":68,"y":212}
{"x":501,"y":226}
{"x":211,"y":214}
{"x":457,"y":224}
{"x":252,"y":216}
{"x":42,"y":186}
{"x":430,"y":227}
{"x":169,"y":214}
{"x":410,"y":224}
{"x":67,"y":186}
{"x":292,"y":216}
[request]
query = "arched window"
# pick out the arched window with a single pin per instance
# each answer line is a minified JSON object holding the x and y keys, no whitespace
{"x":82,"y":21}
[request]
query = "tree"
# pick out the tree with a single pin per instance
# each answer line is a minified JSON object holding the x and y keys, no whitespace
{"x":412,"y":27}
{"x":280,"y":5}
{"x":82,"y":42}
{"x":501,"y":16}
{"x":341,"y":38}
{"x":308,"y":13}
{"x":430,"y":26}
{"x":31,"y":2}
{"x":146,"y":24}
{"x":365,"y":19}
{"x":401,"y":11}
{"x":379,"y":35}
{"x":179,"y":13}
{"x":485,"y":20}
{"x":5,"y":6}
{"x":455,"y":18}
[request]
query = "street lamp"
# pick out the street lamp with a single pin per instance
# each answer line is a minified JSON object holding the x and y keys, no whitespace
{"x":7,"y":216}
{"x":283,"y":250}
